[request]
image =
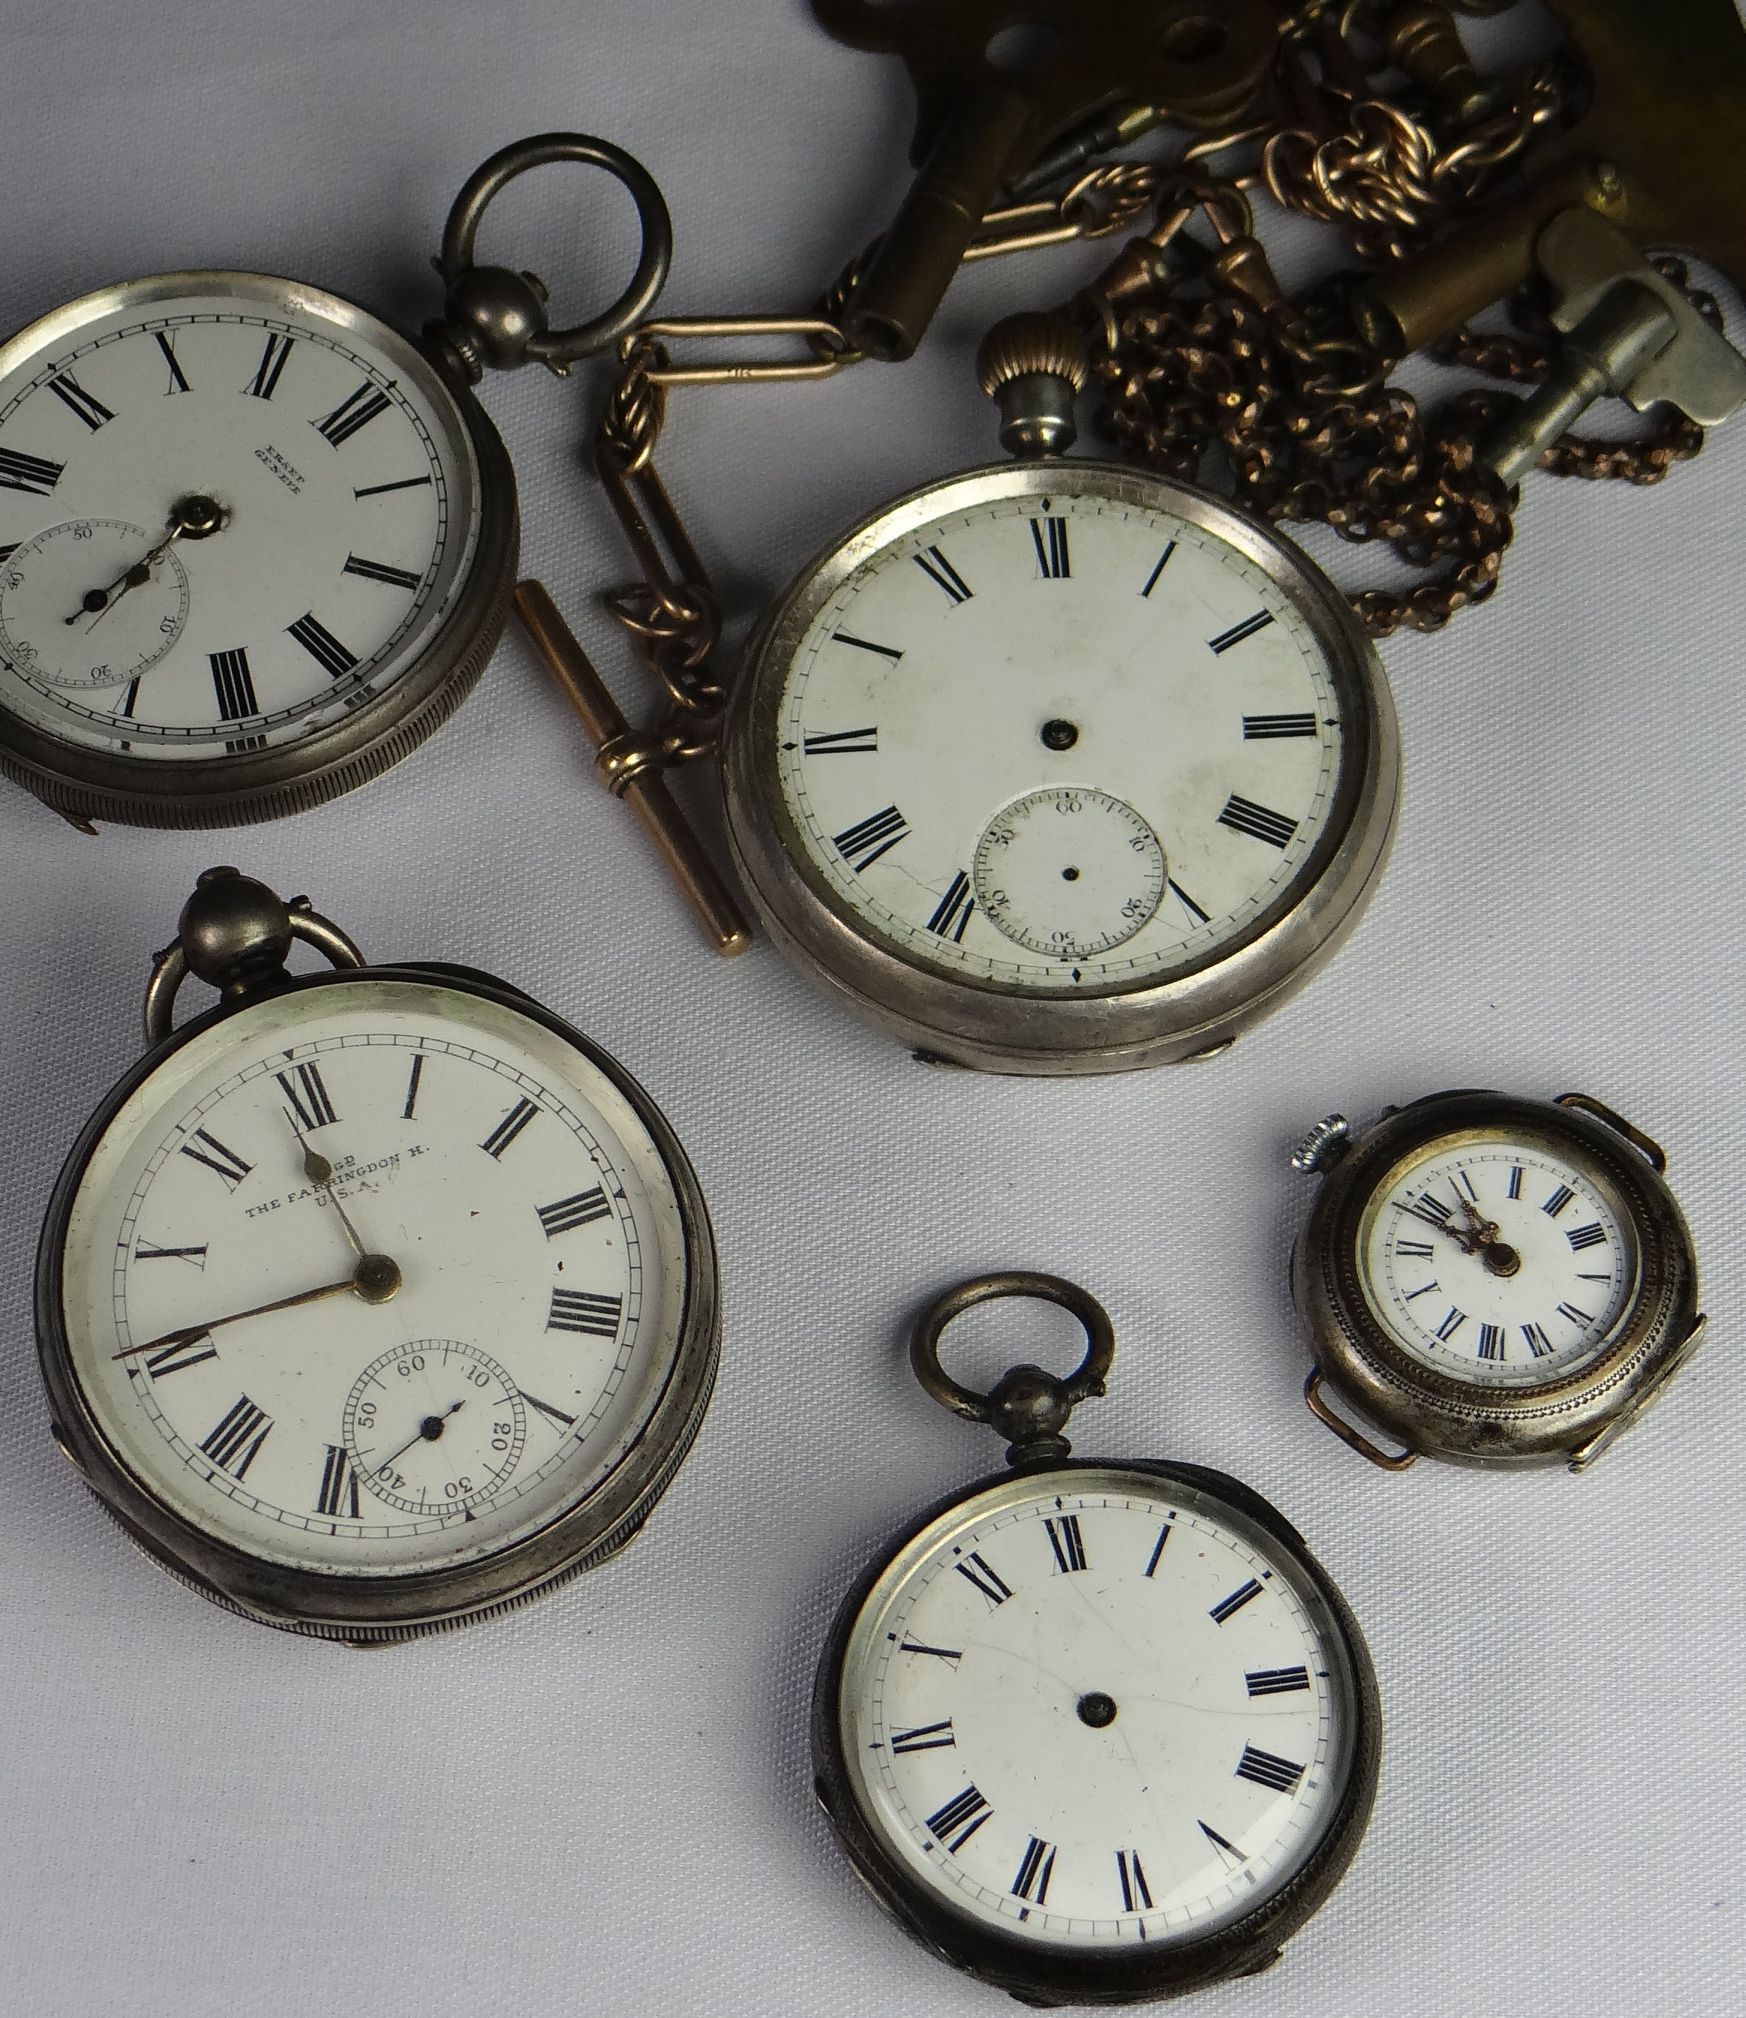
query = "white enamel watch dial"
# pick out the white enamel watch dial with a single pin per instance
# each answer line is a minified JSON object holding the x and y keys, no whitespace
{"x":1499,"y":1262}
{"x":1059,"y":743}
{"x":348,"y":495}
{"x":46,"y":627}
{"x":1491,"y":1279}
{"x":1093,"y":1733}
{"x":378,"y":1277}
{"x":253,"y":548}
{"x":1059,"y":767}
{"x":1091,"y":1712}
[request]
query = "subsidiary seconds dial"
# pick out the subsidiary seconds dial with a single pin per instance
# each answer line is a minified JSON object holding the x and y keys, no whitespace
{"x":93,"y":603}
{"x":1070,"y":872}
{"x":1060,"y":768}
{"x":1034,"y":652}
{"x":445,"y":1464}
{"x":372,"y":1300}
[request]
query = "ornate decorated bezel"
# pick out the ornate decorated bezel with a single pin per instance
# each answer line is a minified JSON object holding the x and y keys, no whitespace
{"x":1434,"y":1414}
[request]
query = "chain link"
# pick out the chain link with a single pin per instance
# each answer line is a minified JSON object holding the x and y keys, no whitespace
{"x":1197,"y":351}
{"x":672,"y":613}
{"x":1195,"y":348}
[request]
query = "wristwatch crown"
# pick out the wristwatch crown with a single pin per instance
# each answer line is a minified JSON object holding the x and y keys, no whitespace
{"x":1324,"y":1145}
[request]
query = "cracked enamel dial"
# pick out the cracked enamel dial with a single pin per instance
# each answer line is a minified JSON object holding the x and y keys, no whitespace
{"x":1060,"y":742}
{"x":1499,"y":1261}
{"x":374,"y":1277}
{"x":1088,"y":1710}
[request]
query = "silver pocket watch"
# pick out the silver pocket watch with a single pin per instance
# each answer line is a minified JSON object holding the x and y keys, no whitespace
{"x":1056,"y":766}
{"x":1491,"y":1279}
{"x":371,"y":1301}
{"x":1093,"y":1732}
{"x":256,"y":544}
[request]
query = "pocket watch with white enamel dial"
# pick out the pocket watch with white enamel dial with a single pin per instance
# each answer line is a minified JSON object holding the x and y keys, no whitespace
{"x":1492,"y":1279}
{"x":1093,"y":1732}
{"x":374,"y":1300}
{"x":1055,"y":766}
{"x":255,"y":544}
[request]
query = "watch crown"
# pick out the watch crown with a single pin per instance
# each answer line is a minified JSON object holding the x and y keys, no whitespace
{"x":1031,"y":365}
{"x":1323,"y":1146}
{"x":1031,"y":342}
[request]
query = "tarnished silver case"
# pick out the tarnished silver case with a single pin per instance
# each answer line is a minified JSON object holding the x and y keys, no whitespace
{"x":961,"y":1021}
{"x":1567,"y":1421}
{"x":385,"y":1608}
{"x":1039,"y":1974}
{"x":89,"y":785}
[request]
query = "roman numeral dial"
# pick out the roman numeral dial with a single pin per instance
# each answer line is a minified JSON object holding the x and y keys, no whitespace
{"x":275,"y":355}
{"x":1018,"y":1690}
{"x":233,"y":683}
{"x":582,"y":1208}
{"x":924,"y":1738}
{"x":203,"y":1147}
{"x":1067,"y":1542}
{"x":586,"y":1311}
{"x":1111,"y":664}
{"x":380,"y":571}
{"x":34,"y":474}
{"x":955,"y":1821}
{"x":235,"y":1440}
{"x":337,"y":1495}
{"x":1504,"y":1263}
{"x":308,"y":1103}
{"x":85,"y":406}
{"x":350,"y":505}
{"x":392,"y":1278}
{"x":1049,"y":536}
{"x":1268,"y":1769}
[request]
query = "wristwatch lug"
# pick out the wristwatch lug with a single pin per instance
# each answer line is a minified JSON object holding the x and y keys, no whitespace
{"x":1348,"y":1433}
{"x":1589,"y":1453}
{"x":1652,"y":1152}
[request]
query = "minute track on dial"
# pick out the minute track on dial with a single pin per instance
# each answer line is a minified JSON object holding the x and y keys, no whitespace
{"x":242,"y":385}
{"x":1526,"y":1302}
{"x":1044,"y":700}
{"x":1101,"y":632}
{"x":1491,"y":1279}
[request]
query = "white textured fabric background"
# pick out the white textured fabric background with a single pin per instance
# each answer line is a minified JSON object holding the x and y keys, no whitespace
{"x":602,"y":1804}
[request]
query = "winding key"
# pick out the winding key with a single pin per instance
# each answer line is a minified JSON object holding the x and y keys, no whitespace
{"x":1655,"y":152}
{"x":996,"y":81}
